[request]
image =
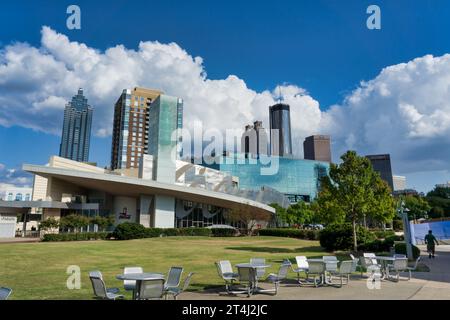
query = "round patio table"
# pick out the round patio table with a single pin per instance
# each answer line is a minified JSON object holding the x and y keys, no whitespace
{"x":139,"y":277}
{"x":385,"y":265}
{"x":254,"y":266}
{"x":325,"y":278}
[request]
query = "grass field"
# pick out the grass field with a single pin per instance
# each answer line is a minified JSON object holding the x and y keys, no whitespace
{"x":38,"y":270}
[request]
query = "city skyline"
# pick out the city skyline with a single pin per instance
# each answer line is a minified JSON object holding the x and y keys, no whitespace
{"x":368,"y":98}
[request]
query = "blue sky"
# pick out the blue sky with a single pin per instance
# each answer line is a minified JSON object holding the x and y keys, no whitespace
{"x":321,"y":46}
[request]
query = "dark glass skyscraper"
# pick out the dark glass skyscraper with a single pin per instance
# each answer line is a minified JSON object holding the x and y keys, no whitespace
{"x":280,"y":119}
{"x":381,"y":163}
{"x":76,"y":134}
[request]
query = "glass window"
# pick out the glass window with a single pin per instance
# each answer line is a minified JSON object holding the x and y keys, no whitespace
{"x":19,"y":197}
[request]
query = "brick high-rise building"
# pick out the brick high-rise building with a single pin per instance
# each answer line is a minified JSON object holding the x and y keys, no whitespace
{"x":317,"y":148}
{"x":130,"y":127}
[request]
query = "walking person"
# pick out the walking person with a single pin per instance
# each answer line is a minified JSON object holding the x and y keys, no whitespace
{"x":430,"y":240}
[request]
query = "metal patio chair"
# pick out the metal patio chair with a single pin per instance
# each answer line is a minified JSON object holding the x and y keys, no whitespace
{"x":100,"y":290}
{"x":176,"y":291}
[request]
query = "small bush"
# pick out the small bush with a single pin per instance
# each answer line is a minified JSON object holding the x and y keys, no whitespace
{"x":193,"y":232}
{"x":223,"y":232}
{"x":397,"y":225}
{"x":383,"y":234}
{"x":129,"y":230}
{"x":85,"y":236}
{"x":153,"y":232}
{"x":340,"y":236}
{"x":400,"y":248}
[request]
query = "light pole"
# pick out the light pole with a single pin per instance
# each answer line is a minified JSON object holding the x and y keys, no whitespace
{"x":406,"y":229}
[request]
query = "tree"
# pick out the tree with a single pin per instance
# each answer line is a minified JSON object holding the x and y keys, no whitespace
{"x":280,"y":214}
{"x":249,"y":217}
{"x":418,"y":206}
{"x":439,"y":200}
{"x":437,"y":212}
{"x":354,"y":191}
{"x":74,"y":222}
{"x":49,"y":224}
{"x":300,"y":213}
{"x":102,"y":222}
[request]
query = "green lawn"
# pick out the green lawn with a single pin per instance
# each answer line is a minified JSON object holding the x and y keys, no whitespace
{"x":38,"y":270}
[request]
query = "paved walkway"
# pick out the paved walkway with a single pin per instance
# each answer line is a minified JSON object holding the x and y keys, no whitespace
{"x":424,"y":285}
{"x":18,"y":240}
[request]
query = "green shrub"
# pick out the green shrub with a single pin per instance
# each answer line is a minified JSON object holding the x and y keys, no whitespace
{"x":340,"y":236}
{"x":84,"y":236}
{"x":397,"y":225}
{"x":400,"y":248}
{"x":129,"y":230}
{"x":153,"y":232}
{"x":312,"y":234}
{"x":290,"y":233}
{"x":223,"y":232}
{"x":383,"y":234}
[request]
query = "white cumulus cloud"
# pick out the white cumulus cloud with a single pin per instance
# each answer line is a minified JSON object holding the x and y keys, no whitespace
{"x":404,"y":111}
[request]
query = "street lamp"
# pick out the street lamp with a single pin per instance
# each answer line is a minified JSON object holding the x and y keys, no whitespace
{"x":406,"y":229}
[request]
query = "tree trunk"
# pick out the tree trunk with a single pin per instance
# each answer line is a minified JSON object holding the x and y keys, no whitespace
{"x":355,"y":242}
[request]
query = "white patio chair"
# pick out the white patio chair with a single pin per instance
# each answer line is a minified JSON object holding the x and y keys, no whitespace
{"x":5,"y":293}
{"x":225,"y":271}
{"x":302,"y":266}
{"x":331,"y":263}
{"x":173,"y":278}
{"x":175,"y":292}
{"x":276,"y":278}
{"x":98,"y":274}
{"x":100,"y":290}
{"x":345,"y":269}
{"x":260,"y":272}
{"x":413,"y":268}
{"x":151,"y":289}
{"x":369,"y":264}
{"x":247,"y":278}
{"x":371,"y":256}
{"x":355,"y":262}
{"x":317,"y":270}
{"x":399,"y":265}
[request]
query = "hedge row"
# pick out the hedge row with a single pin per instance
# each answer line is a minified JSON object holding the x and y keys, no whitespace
{"x":128,"y":230}
{"x":85,"y":236}
{"x":290,"y":233}
{"x":383,"y":234}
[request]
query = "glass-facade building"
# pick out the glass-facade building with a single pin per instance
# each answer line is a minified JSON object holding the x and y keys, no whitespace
{"x":280,"y":130}
{"x":76,"y":133}
{"x":297,"y":179}
{"x":166,"y":116}
{"x":381,"y":163}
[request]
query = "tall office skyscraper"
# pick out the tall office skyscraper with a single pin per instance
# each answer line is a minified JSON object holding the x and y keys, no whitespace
{"x":131,"y":126}
{"x":76,"y":134}
{"x":381,"y":163}
{"x":280,"y":119}
{"x":254,"y":140}
{"x":317,"y":147}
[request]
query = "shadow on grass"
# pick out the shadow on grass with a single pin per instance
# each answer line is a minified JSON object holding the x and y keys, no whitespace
{"x":278,"y":250}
